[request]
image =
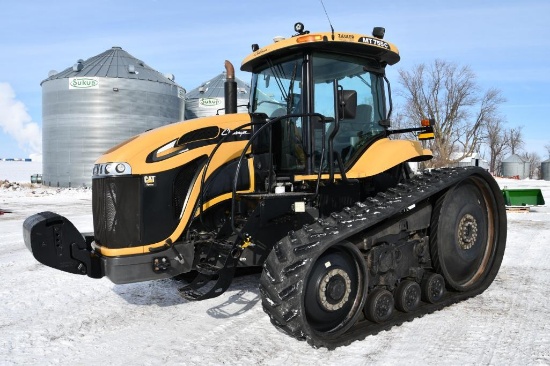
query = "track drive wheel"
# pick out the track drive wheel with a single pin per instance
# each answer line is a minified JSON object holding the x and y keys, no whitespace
{"x":468,"y":233}
{"x":379,"y":307}
{"x":318,"y":296}
{"x":407,"y":296}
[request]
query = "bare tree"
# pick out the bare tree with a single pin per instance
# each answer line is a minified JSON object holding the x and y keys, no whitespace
{"x":399,"y":120}
{"x":547,"y":147}
{"x":497,"y":140}
{"x":449,"y":94}
{"x":516,"y":139}
{"x":534,"y":163}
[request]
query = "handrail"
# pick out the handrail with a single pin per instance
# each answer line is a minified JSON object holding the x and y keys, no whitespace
{"x":252,"y":138}
{"x":209,"y":160}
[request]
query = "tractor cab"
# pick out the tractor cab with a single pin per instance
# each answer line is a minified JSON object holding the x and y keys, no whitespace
{"x":328,"y":92}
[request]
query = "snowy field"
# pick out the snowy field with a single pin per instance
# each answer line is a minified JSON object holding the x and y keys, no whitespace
{"x":50,"y":317}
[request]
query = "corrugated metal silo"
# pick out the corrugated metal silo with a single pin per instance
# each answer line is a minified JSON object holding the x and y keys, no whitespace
{"x":96,"y":104}
{"x":515,"y":166}
{"x":545,"y":170}
{"x":208,"y":99}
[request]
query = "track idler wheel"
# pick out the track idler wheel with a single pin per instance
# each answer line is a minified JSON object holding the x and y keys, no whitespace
{"x":314,"y":292}
{"x":466,"y":234}
{"x":407,"y":296}
{"x":379,"y":307}
{"x":334,"y":290}
{"x":433,"y":288}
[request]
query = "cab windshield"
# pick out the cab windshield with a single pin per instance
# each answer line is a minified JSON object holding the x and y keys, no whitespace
{"x":310,"y":84}
{"x":277,"y":89}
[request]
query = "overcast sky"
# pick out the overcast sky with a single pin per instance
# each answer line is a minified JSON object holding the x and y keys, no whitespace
{"x":506,"y":43}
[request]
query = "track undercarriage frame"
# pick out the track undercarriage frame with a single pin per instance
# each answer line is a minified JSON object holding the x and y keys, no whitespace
{"x":339,"y":279}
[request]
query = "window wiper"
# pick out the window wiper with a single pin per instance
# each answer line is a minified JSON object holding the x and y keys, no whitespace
{"x":290,"y":102}
{"x":387,"y":122}
{"x":276,"y":74}
{"x":363,"y":80}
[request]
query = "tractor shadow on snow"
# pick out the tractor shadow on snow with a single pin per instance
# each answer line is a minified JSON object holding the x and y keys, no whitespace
{"x":242,"y":295}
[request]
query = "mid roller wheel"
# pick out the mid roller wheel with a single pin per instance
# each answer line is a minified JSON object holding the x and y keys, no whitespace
{"x":433,"y":288}
{"x":379,"y":307}
{"x":407,"y":296}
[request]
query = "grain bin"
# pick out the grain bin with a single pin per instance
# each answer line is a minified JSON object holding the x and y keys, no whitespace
{"x":208,"y":99}
{"x":515,"y":166}
{"x":96,"y":104}
{"x":545,"y":170}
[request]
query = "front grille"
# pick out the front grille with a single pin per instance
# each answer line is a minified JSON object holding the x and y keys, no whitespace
{"x":130,"y":213}
{"x":116,"y":208}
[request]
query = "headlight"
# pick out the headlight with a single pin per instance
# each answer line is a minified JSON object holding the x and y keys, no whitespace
{"x":111,"y":169}
{"x":120,"y":168}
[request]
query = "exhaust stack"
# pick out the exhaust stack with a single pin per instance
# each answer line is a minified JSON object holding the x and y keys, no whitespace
{"x":230,"y":89}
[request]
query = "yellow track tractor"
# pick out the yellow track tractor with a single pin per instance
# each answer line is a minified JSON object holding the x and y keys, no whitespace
{"x":312,"y":184}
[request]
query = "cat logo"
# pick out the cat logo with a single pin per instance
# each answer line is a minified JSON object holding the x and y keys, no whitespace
{"x":149,"y":180}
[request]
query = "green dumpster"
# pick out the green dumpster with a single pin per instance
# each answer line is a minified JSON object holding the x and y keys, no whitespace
{"x":523,"y":197}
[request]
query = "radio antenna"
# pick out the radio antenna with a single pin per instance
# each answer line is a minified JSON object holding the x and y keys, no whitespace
{"x":331,"y":27}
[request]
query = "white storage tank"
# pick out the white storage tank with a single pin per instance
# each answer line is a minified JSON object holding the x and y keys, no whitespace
{"x":96,"y":104}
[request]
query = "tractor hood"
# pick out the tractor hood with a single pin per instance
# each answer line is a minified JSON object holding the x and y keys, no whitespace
{"x":173,"y":145}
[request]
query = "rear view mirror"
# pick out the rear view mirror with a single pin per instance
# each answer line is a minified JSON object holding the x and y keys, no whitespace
{"x":347,"y":104}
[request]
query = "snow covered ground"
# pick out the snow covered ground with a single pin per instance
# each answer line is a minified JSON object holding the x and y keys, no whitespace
{"x":50,"y":317}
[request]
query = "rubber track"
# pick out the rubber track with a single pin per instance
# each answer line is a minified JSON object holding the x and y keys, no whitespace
{"x":282,"y":280}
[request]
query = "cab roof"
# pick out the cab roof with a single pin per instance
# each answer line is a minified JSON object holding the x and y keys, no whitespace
{"x":352,"y":44}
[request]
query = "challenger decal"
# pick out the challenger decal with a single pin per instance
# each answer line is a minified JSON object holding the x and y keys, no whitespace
{"x":260,"y":51}
{"x":227,"y":131}
{"x":374,"y":42}
{"x":349,"y":37}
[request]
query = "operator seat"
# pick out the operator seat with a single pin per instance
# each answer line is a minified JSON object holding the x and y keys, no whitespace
{"x":351,"y":129}
{"x":279,"y":112}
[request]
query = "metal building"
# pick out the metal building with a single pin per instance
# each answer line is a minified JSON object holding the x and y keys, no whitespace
{"x":208,"y":99}
{"x":545,"y":170}
{"x":473,"y":160}
{"x":515,"y":166}
{"x":96,"y":104}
